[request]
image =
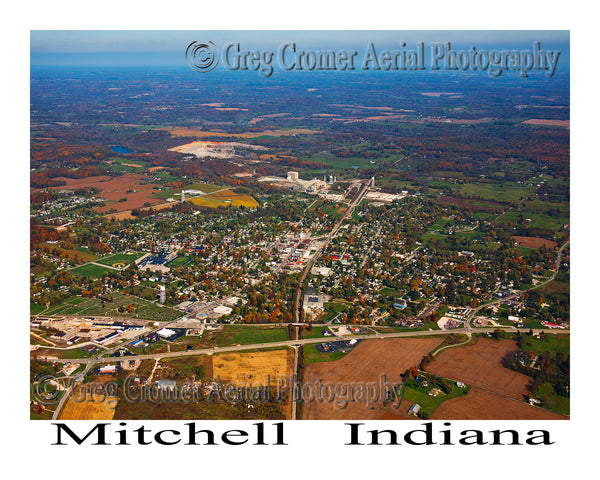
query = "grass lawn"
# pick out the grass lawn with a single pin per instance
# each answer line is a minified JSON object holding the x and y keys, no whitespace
{"x":337,"y":307}
{"x":552,"y":344}
{"x":314,"y":333}
{"x":312,"y":355}
{"x":244,"y":335}
{"x":178,"y":262}
{"x":90,"y":270}
{"x":390,"y":291}
{"x":120,"y":258}
{"x":554,"y":402}
{"x":385,"y":329}
{"x":429,"y":403}
{"x":34,"y":308}
{"x":71,"y":353}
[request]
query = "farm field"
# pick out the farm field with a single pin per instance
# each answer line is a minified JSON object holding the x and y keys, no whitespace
{"x":72,"y":253}
{"x":537,"y":220}
{"x":127,"y":165}
{"x":225,"y":199}
{"x":368,"y":360}
{"x":196,"y":410}
{"x":552,"y":123}
{"x":115,"y":188}
{"x":481,"y":405}
{"x":534,"y":242}
{"x":191,"y":132}
{"x":253,"y":367}
{"x":479,"y":365}
{"x":502,"y":192}
{"x":96,"y":407}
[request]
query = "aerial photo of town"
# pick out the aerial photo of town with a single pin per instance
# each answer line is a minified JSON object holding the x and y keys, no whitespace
{"x":301,"y":245}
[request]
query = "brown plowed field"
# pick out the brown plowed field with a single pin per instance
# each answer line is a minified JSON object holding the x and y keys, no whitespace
{"x":114,"y":188}
{"x":479,"y":365}
{"x":481,"y":405}
{"x":534,"y":242}
{"x":365,"y":364}
{"x":553,"y":123}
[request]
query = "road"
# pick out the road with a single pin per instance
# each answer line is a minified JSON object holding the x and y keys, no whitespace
{"x":293,"y":397}
{"x":305,"y":341}
{"x":324,"y":244}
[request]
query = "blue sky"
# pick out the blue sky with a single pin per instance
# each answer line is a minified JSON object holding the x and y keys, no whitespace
{"x":166,"y":47}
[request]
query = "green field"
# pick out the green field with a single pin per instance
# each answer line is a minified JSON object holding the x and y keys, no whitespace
{"x":314,"y":333}
{"x":244,"y":335}
{"x":552,"y":343}
{"x":178,"y":262}
{"x":337,"y":163}
{"x":91,"y":270}
{"x":120,"y":258}
{"x":142,"y":309}
{"x":34,"y":308}
{"x":428,"y":403}
{"x":118,"y":165}
{"x":545,"y":222}
{"x":312,"y":355}
{"x":554,"y":402}
{"x":501,"y":192}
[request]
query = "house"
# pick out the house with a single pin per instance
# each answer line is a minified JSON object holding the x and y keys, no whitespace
{"x":414,"y":409}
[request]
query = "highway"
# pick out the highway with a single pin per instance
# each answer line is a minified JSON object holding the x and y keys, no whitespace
{"x":305,"y":341}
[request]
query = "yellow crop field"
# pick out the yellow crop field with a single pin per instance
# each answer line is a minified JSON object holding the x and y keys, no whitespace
{"x":225,"y":198}
{"x":92,"y":407}
{"x":206,"y":202}
{"x":253,"y":367}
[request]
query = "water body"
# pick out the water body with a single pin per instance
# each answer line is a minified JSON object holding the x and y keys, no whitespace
{"x":120,"y":149}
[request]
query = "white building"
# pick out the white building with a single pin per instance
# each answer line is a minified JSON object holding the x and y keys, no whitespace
{"x":166,"y":332}
{"x":292,"y":176}
{"x":222,"y":310}
{"x":162,"y":294}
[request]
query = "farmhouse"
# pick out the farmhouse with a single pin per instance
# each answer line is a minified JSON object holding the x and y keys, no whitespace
{"x":414,"y":409}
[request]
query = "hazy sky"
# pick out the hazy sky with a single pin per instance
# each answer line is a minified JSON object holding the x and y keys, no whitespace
{"x":166,"y":47}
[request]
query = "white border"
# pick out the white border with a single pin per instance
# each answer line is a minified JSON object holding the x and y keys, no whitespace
{"x":314,"y":448}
